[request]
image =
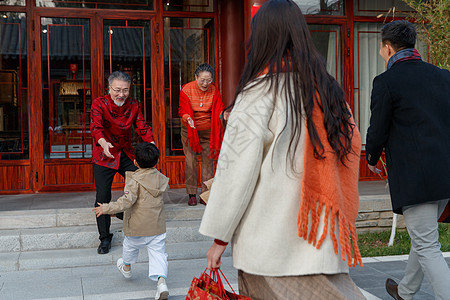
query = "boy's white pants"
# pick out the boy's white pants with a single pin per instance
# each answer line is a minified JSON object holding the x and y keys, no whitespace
{"x":157,"y":256}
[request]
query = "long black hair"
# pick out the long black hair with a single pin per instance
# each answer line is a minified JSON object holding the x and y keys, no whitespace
{"x":280,"y":41}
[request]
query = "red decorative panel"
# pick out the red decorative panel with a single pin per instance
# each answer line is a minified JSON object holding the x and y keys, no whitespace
{"x":15,"y":178}
{"x":68,"y":173}
{"x":174,"y":169}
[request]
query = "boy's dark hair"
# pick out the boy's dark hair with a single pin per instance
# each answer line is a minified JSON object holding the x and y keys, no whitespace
{"x":146,"y":154}
{"x":400,"y":34}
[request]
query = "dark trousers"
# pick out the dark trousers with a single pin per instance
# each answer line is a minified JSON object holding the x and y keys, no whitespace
{"x":103,"y":177}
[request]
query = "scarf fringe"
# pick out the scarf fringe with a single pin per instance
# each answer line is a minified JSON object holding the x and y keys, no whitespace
{"x":193,"y":141}
{"x":347,"y":230}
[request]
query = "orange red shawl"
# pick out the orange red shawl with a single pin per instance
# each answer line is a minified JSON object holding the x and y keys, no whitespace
{"x":216,"y":136}
{"x":329,"y":185}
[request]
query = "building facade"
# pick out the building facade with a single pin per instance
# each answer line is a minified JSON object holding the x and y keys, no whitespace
{"x":55,"y":56}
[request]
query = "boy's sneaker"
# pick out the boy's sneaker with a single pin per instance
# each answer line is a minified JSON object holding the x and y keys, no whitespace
{"x":120,"y":266}
{"x":162,"y":292}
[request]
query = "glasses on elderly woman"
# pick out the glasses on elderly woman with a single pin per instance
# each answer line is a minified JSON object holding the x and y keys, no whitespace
{"x":207,"y":81}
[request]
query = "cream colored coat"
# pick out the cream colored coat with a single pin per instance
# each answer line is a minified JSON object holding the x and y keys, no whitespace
{"x":142,"y":203}
{"x":255,"y":197}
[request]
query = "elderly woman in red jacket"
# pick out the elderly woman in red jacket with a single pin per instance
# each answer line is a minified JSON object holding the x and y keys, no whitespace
{"x":202,"y":132}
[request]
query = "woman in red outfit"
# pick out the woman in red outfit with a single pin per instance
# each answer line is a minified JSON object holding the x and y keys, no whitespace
{"x":202,"y":132}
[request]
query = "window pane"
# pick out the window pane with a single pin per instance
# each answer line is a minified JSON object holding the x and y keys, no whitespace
{"x":127,"y":48}
{"x":189,"y":5}
{"x":104,"y":4}
{"x":188,"y":42}
{"x":13,"y":87}
{"x":327,"y":39}
{"x":374,"y":8}
{"x":321,"y":7}
{"x":13,"y":2}
{"x":368,"y":64}
{"x":66,"y":79}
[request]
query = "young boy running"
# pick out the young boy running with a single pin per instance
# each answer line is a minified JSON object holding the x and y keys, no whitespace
{"x":144,"y":222}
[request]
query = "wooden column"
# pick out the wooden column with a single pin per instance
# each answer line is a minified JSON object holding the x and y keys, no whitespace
{"x":232,"y":46}
{"x":35,"y":98}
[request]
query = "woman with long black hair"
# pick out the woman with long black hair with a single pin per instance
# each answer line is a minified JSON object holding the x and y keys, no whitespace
{"x":286,"y":186}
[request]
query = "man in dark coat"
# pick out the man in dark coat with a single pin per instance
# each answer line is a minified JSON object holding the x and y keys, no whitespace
{"x":112,"y":118}
{"x":410,"y":120}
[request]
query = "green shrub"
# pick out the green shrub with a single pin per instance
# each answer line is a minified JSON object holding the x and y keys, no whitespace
{"x":433,"y":17}
{"x":376,"y":244}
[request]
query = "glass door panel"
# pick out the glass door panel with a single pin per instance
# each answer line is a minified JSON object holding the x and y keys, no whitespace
{"x":13,"y":87}
{"x":188,"y":42}
{"x":99,"y":4}
{"x":328,"y":41}
{"x":321,"y":7}
{"x":127,"y":48}
{"x":66,"y":79}
{"x":191,"y":5}
{"x":389,"y":8}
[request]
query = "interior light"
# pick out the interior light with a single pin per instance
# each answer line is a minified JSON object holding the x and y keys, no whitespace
{"x":111,"y":32}
{"x":44,"y":31}
{"x":4,"y":16}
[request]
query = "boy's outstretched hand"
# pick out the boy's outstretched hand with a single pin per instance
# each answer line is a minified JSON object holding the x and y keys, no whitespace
{"x":98,"y":210}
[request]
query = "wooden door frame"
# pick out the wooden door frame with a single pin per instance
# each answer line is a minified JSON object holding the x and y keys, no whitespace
{"x":96,"y":18}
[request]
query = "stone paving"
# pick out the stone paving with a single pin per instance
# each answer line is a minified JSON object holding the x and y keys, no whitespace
{"x":58,"y":278}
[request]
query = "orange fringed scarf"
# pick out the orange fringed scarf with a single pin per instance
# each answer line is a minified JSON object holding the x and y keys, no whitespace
{"x":328,"y":184}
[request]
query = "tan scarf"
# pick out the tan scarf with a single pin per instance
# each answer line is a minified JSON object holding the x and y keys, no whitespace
{"x":330,"y":185}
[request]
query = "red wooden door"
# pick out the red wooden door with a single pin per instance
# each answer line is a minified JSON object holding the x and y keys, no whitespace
{"x":78,"y":52}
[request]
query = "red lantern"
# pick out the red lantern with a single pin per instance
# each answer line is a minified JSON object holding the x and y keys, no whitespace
{"x":73,"y":69}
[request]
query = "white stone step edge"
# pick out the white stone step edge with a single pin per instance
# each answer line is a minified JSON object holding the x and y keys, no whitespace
{"x":16,"y":240}
{"x":47,"y":218}
{"x":67,"y":258}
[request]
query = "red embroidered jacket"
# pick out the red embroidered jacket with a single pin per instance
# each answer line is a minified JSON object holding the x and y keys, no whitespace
{"x":113,"y":123}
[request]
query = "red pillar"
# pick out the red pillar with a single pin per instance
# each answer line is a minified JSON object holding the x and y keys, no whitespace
{"x":232,"y":46}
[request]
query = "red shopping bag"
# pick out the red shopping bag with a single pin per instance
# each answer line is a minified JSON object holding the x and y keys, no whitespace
{"x":210,"y":287}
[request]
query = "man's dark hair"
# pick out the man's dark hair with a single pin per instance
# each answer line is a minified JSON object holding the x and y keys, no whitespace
{"x":147,"y":155}
{"x":400,"y":34}
{"x":204,"y":68}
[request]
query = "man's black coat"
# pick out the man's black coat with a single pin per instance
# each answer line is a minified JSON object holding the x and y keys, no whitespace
{"x":410,"y":119}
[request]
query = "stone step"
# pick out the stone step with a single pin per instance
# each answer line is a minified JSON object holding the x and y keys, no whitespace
{"x":66,"y":258}
{"x":105,"y":281}
{"x":47,"y":218}
{"x":36,"y":239}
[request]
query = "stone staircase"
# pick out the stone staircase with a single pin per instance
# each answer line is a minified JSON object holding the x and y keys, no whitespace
{"x":59,"y":238}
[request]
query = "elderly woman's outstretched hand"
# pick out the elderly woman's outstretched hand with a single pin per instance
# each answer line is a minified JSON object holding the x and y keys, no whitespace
{"x":191,"y":122}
